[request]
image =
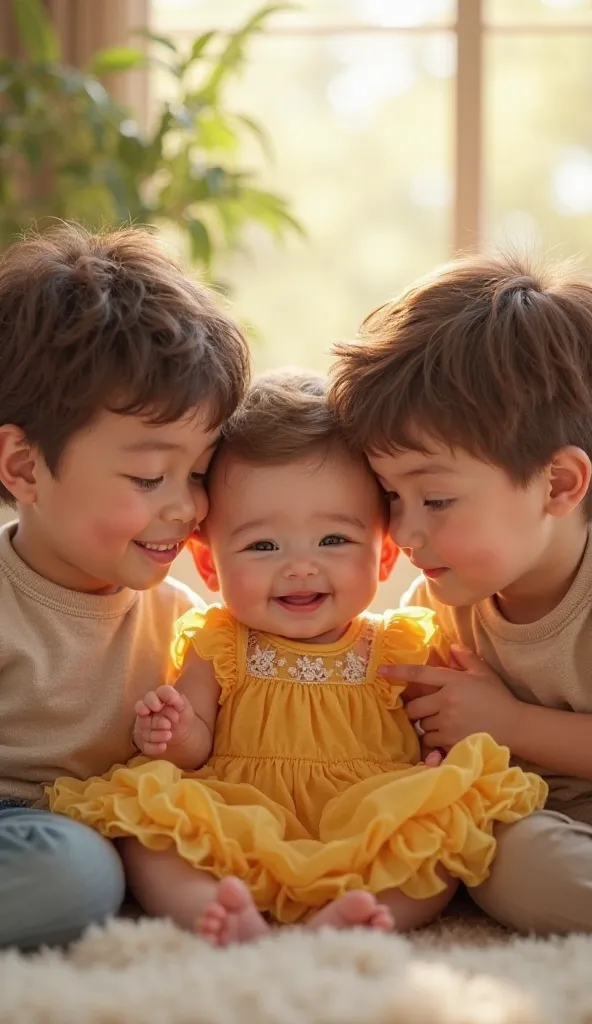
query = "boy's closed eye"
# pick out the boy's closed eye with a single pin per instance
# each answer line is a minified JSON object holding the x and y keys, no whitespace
{"x":435,"y":504}
{"x":438,"y":504}
{"x":147,"y":483}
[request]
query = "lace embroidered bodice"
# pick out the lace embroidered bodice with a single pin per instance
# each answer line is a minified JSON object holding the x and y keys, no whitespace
{"x":272,"y":658}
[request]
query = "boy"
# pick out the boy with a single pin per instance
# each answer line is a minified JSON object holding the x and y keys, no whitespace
{"x":472,"y":396}
{"x":115,"y":375}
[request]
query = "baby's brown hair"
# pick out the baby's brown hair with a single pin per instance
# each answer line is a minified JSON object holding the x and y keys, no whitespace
{"x":108,"y":321}
{"x":487,"y":355}
{"x":285,"y":416}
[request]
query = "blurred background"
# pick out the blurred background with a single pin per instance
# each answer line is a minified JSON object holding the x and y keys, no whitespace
{"x":308,"y":160}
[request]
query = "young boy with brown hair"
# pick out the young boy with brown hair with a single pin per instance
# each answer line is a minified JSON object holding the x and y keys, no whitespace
{"x":116,"y":373}
{"x":472,"y":397}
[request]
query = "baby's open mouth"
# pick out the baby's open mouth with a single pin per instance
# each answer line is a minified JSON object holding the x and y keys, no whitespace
{"x":306,"y":600}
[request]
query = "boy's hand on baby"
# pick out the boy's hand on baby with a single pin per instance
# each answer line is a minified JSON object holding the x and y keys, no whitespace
{"x":451,"y":703}
{"x":164,"y":718}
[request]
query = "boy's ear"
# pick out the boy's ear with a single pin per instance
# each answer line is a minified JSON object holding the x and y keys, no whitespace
{"x":17,"y":465}
{"x":203,"y":561}
{"x":390,"y":553}
{"x":569,"y":474}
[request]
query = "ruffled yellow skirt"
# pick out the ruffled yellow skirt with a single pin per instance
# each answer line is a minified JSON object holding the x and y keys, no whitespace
{"x":390,"y":830}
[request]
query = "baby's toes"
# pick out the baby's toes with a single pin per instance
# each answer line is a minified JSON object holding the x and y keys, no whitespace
{"x":212,"y":923}
{"x":382,"y":919}
{"x":209,"y":926}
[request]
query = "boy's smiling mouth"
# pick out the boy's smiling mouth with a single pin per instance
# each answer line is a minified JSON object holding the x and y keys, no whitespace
{"x":162,"y":552}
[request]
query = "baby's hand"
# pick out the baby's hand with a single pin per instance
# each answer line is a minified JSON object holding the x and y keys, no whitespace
{"x":164,"y":718}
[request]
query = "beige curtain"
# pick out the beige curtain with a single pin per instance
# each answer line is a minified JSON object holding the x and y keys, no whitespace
{"x":85,"y":26}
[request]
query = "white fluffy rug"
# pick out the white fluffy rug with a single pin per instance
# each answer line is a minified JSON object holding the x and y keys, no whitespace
{"x":148,"y":972}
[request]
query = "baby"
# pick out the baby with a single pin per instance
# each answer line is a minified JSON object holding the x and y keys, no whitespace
{"x":312,"y":804}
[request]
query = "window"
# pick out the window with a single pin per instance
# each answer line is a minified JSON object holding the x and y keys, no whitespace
{"x":537,"y":71}
{"x":403,"y":131}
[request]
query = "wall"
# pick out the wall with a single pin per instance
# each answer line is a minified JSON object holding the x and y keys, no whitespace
{"x":388,"y":595}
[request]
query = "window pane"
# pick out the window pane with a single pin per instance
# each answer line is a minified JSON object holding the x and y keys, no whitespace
{"x":316,"y":13}
{"x":361,"y":128}
{"x":544,"y":12}
{"x":539,"y":141}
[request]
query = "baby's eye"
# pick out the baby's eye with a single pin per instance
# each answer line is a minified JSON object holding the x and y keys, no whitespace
{"x":197,"y":479}
{"x":146,"y":483}
{"x":439,"y":504}
{"x":263,"y":545}
{"x":332,"y":540}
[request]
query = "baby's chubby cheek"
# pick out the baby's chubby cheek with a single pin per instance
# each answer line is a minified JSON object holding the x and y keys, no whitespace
{"x":244,"y":589}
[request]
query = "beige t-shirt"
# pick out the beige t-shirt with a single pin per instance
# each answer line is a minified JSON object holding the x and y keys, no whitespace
{"x":72,"y":667}
{"x":548,"y":662}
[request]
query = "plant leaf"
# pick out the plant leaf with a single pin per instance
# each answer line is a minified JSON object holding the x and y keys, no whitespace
{"x":32,"y":149}
{"x":37,"y":33}
{"x":269,"y":209}
{"x":132,"y":152}
{"x":259,"y":133}
{"x":201,"y":245}
{"x":186,"y":171}
{"x":219,"y":182}
{"x":155,"y":38}
{"x":199,"y":46}
{"x":233,"y":53}
{"x":116,"y":58}
{"x":216,"y":133}
{"x":195,"y":54}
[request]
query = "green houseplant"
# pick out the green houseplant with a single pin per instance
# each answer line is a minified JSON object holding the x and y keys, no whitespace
{"x":68,"y":150}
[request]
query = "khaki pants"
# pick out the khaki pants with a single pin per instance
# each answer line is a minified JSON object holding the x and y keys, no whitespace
{"x":541,"y":878}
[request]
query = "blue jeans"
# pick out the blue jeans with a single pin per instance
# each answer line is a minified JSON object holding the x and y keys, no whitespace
{"x":56,"y":877}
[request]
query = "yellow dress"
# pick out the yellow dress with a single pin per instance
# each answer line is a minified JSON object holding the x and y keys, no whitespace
{"x":313,"y":787}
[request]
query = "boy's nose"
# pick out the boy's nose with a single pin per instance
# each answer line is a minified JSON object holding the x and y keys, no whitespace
{"x":186,"y":508}
{"x":407,"y":535}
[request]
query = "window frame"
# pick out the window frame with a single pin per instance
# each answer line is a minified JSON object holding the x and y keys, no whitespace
{"x":470,"y":30}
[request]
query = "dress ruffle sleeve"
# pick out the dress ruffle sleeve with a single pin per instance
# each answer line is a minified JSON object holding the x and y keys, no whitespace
{"x":213,"y":636}
{"x":405,"y":639}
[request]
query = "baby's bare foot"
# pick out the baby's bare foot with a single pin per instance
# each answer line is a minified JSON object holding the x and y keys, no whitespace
{"x":354,"y":910}
{"x":232,"y":917}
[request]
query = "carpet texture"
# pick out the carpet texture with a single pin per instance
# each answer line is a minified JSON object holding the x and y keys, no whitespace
{"x":462,"y":971}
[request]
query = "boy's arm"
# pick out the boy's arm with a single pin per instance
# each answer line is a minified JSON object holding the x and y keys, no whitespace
{"x":453,"y":703}
{"x":179,"y":721}
{"x":560,"y":741}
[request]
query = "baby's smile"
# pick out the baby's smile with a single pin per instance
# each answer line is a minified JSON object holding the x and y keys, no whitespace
{"x":302,"y":600}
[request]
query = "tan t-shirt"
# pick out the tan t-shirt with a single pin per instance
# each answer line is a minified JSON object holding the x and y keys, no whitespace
{"x":548,"y":662}
{"x":72,"y":667}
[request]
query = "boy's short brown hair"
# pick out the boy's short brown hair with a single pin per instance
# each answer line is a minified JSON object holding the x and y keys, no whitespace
{"x":487,"y":355}
{"x":108,"y":321}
